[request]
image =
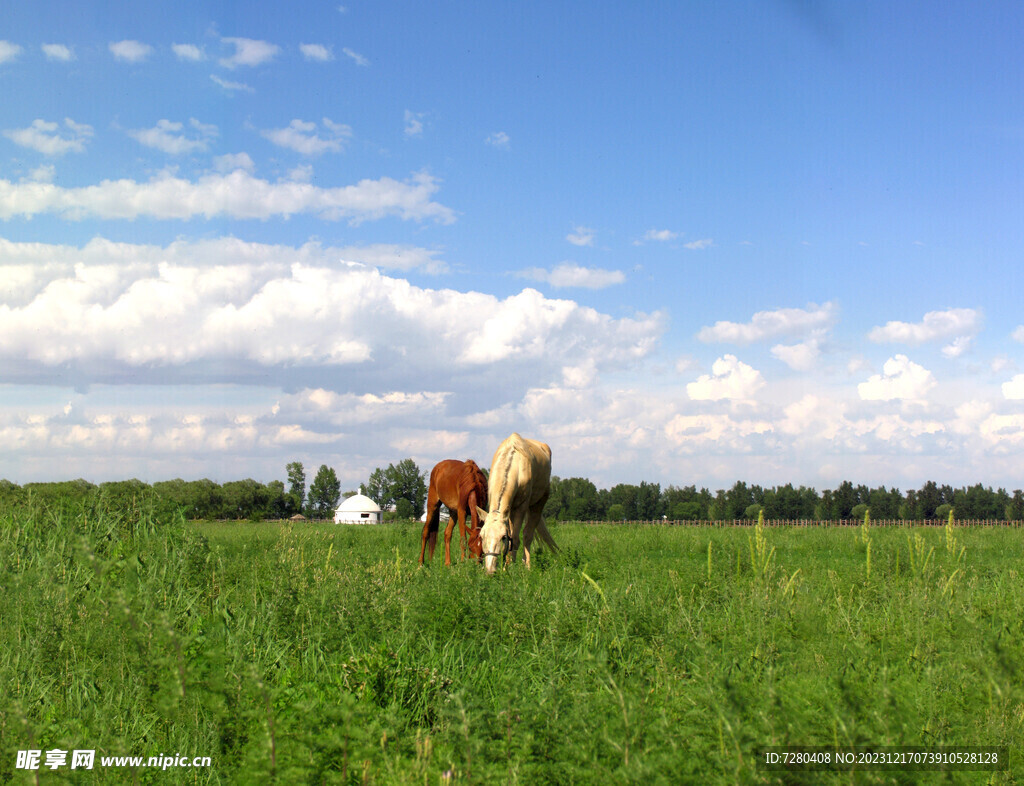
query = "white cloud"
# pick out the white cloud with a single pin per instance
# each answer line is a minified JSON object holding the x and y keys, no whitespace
{"x":130,"y":51}
{"x":349,"y":409}
{"x":42,"y":174}
{"x":49,"y":139}
{"x":766,"y":325}
{"x":800,"y":357}
{"x":958,"y":347}
{"x":58,"y":52}
{"x":168,"y":137}
{"x":316,"y":52}
{"x":730,"y":378}
{"x":957,"y":323}
{"x":303,"y":137}
{"x":1014,"y":389}
{"x":660,"y":235}
{"x":232,"y":86}
{"x":394,"y":256}
{"x":1018,"y":334}
{"x":249,"y":52}
{"x":581,"y":236}
{"x":901,"y":378}
{"x":699,"y":432}
{"x":569,"y":274}
{"x":236,"y":194}
{"x":357,"y":58}
{"x":414,"y":123}
{"x":229,"y":162}
{"x":498,"y":139}
{"x":189,"y":52}
{"x":699,"y":245}
{"x":303,"y":173}
{"x":8,"y":51}
{"x":287,"y":314}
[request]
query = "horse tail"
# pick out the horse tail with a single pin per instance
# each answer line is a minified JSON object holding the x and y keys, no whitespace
{"x":433,"y":525}
{"x":545,"y":536}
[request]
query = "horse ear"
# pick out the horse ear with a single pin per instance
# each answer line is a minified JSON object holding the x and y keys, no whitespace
{"x":481,"y":512}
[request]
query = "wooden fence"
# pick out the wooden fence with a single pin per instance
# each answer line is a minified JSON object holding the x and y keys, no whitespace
{"x":817,"y":523}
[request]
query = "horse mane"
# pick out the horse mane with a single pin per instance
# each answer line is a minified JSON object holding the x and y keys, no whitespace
{"x":471,"y":478}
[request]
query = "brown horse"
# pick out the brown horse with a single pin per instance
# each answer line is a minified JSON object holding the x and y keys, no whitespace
{"x":461,"y":486}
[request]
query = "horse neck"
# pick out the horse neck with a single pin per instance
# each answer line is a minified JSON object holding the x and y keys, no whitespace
{"x":500,"y":485}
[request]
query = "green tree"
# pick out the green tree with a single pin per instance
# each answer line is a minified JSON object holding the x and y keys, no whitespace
{"x":616,"y":512}
{"x":403,"y":510}
{"x":244,"y":499}
{"x":279,"y":502}
{"x":324,"y":493}
{"x":296,"y":484}
{"x":405,"y":481}
{"x":376,"y":488}
{"x":1015,"y":507}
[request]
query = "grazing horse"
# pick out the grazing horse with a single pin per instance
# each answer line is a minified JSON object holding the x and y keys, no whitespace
{"x":461,"y":486}
{"x":518,"y":487}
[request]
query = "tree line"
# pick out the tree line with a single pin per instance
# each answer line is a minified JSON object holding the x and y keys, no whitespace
{"x":578,"y":499}
{"x":401,"y":490}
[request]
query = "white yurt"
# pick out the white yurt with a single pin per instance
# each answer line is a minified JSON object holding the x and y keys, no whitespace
{"x":358,"y":509}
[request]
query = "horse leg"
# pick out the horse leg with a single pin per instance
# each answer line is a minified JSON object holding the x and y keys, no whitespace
{"x":430,"y":525}
{"x":463,"y":531}
{"x":448,"y":538}
{"x":534,"y":518}
{"x":516,"y":523}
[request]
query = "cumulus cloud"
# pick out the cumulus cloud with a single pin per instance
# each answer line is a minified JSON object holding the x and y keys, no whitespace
{"x":498,"y":139}
{"x":569,"y":274}
{"x":660,"y":235}
{"x":8,"y":51}
{"x":316,"y":52}
{"x":50,"y":139}
{"x":901,"y":378}
{"x":959,"y":324}
{"x":58,"y":52}
{"x":316,"y":405}
{"x":799,"y":357}
{"x":236,"y":195}
{"x":395,"y":256}
{"x":730,"y":378}
{"x":305,"y":137}
{"x":232,"y":87}
{"x":168,"y":137}
{"x":414,"y":123}
{"x":355,"y":57}
{"x":130,"y":51}
{"x":699,"y":245}
{"x":581,"y":236}
{"x":41,"y":174}
{"x":766,"y":325}
{"x":717,"y":431}
{"x":1014,"y":388}
{"x":188,"y":52}
{"x":229,"y":162}
{"x":228,"y":304}
{"x":249,"y":52}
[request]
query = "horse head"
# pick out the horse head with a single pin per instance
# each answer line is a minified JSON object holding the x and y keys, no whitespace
{"x":495,"y":539}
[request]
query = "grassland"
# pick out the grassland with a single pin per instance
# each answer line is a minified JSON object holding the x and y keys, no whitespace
{"x":323,"y":654}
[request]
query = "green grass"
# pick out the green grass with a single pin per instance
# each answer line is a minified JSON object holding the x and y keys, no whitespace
{"x":324,"y":654}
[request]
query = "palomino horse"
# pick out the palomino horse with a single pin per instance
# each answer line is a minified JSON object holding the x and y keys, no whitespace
{"x":461,"y":486}
{"x":518,"y":487}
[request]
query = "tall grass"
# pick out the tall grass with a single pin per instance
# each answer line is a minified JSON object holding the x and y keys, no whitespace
{"x":305,"y":654}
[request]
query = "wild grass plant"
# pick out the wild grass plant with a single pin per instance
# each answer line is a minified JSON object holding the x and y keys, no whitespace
{"x":324,"y":654}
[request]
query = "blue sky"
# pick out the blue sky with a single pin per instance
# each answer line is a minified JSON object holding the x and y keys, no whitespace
{"x":680,"y":242}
